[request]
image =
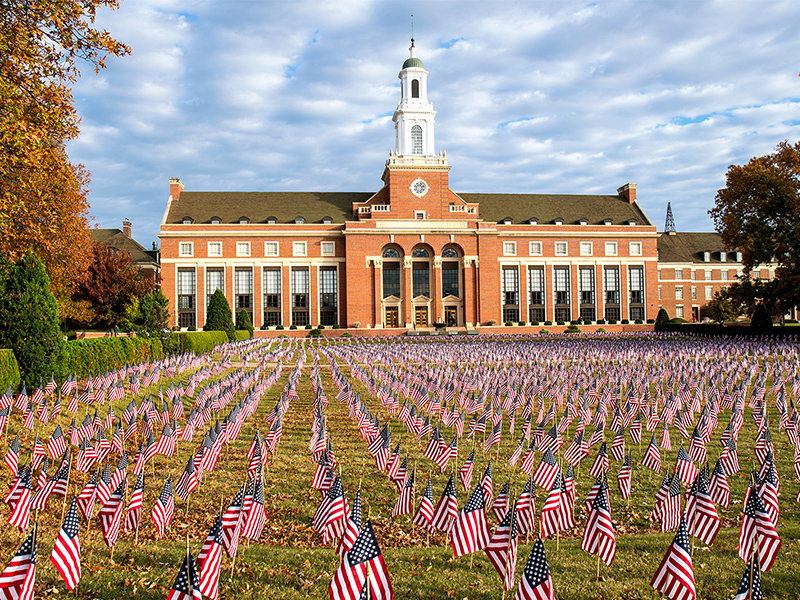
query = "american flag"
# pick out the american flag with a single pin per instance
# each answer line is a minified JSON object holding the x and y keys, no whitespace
{"x":669,"y":511}
{"x":750,"y":586}
{"x":447,"y":508}
{"x":600,"y":465}
{"x":598,"y":537}
{"x":111,"y":514}
{"x":470,"y":531}
{"x":757,"y":524}
{"x":546,"y":471}
{"x":210,"y":560}
{"x":500,"y":504}
{"x":652,"y":457}
{"x":701,"y":515}
{"x":187,"y":583}
{"x":66,"y":554}
{"x":502,"y":548}
{"x":405,"y":502}
{"x":134,"y":515}
{"x":256,"y":516}
{"x":86,"y":498}
{"x":21,"y":508}
{"x":164,"y":508}
{"x":486,"y":485}
{"x":188,"y":480}
{"x":536,"y":583}
{"x":684,"y":467}
{"x":353,"y":527}
{"x":232,"y":524}
{"x":624,"y":478}
{"x":18,"y":578}
{"x":362,"y":565}
{"x":56,"y":446}
{"x":675,"y":576}
{"x":465,"y":472}
{"x":424,"y":515}
{"x":550,"y":511}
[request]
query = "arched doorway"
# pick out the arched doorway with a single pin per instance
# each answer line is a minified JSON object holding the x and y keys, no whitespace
{"x":392,"y":286}
{"x":421,"y":285}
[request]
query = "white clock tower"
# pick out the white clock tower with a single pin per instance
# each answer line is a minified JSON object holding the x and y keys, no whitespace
{"x":413,"y":118}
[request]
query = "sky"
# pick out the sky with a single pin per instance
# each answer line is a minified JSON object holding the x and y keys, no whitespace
{"x":531,"y":97}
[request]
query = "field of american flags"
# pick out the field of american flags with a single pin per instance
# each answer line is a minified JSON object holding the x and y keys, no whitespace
{"x":361,"y":381}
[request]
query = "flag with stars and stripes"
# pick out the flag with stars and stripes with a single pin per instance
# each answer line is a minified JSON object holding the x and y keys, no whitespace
{"x":675,"y":575}
{"x":750,"y":586}
{"x":362,"y":566}
{"x":66,"y":554}
{"x":756,"y":523}
{"x":502,"y":548}
{"x":536,"y":582}
{"x":164,"y":508}
{"x":470,"y":532}
{"x":424,"y":515}
{"x":447,"y":508}
{"x":18,"y":578}
{"x":598,"y":537}
{"x":187,"y":583}
{"x":209,"y":560}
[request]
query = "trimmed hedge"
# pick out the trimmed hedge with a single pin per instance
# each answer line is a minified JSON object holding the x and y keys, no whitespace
{"x":200,"y":342}
{"x":83,"y":357}
{"x":9,"y":371}
{"x":728,"y":330}
{"x":242,"y":334}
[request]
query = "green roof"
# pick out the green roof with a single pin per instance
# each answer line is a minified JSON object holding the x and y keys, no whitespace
{"x":413,"y":62}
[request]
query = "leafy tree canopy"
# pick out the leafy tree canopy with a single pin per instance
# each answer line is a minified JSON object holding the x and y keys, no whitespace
{"x":758,"y":213}
{"x":43,"y":202}
{"x":219,"y":314}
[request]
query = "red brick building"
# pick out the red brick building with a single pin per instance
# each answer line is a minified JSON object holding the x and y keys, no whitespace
{"x":414,"y":253}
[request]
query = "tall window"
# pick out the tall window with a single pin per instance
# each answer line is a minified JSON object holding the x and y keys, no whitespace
{"x":611,"y":278}
{"x":272,"y":296}
{"x":510,"y":294}
{"x":328,"y":296}
{"x":636,"y":285}
{"x":536,"y":294}
{"x":416,"y":139}
{"x":586,"y":288}
{"x":420,"y":274}
{"x":561,"y":284}
{"x":391,"y":273}
{"x":300,"y":296}
{"x":243,"y":290}
{"x":415,"y":88}
{"x":187,"y":317}
{"x":215,"y":280}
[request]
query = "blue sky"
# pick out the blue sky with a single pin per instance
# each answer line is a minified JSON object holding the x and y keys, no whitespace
{"x":535,"y":97}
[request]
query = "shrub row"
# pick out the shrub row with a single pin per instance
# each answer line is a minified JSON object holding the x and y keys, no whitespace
{"x":83,"y":357}
{"x":735,"y":330}
{"x":242,"y":334}
{"x":200,"y":342}
{"x":9,"y":371}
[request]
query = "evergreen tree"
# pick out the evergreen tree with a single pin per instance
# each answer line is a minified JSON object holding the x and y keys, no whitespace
{"x":243,"y":322}
{"x":662,"y":318}
{"x":219,"y":316}
{"x":29,"y":321}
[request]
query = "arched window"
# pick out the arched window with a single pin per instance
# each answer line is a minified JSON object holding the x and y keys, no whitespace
{"x":449,"y":253}
{"x":415,"y":88}
{"x":391,"y":273}
{"x":416,"y":139}
{"x":391,"y":253}
{"x":419,"y":253}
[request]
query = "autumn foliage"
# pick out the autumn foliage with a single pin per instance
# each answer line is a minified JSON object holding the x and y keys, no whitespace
{"x":43,"y":205}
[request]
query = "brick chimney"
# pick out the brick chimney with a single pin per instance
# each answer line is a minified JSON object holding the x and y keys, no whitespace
{"x":628,"y":192}
{"x":126,"y":228}
{"x":175,"y":187}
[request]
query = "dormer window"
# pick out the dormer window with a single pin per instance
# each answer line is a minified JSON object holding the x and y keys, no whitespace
{"x":631,"y":222}
{"x":216,"y":220}
{"x":507,"y":221}
{"x":607,"y":221}
{"x":327,"y":220}
{"x":723,"y":256}
{"x":706,"y":256}
{"x":533,"y":221}
{"x":738,"y":257}
{"x":187,"y":220}
{"x":583,"y":221}
{"x":299,"y":220}
{"x":558,"y":221}
{"x":272,"y":221}
{"x":244,"y":221}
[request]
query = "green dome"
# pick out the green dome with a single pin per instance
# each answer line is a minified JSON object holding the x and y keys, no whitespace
{"x":413,"y":62}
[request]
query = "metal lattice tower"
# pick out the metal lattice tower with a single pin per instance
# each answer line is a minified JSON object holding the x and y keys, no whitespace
{"x":669,"y":226}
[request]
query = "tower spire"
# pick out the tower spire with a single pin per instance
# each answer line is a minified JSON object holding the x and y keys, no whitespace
{"x":669,"y":226}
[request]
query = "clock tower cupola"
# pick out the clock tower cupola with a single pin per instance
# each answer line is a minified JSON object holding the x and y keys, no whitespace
{"x":414,"y":116}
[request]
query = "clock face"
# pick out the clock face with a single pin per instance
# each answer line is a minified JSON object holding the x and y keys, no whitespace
{"x":419,"y":188}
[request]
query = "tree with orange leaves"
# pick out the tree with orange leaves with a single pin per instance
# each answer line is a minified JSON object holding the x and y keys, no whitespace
{"x":43,"y":205}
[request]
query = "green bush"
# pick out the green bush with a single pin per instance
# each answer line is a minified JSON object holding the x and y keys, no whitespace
{"x":279,"y":328}
{"x":574,"y":322}
{"x":535,"y":323}
{"x":601,"y":321}
{"x":99,"y":355}
{"x":601,"y":330}
{"x":612,"y":321}
{"x":650,"y":321}
{"x":242,"y":334}
{"x":202,"y":341}
{"x":320,"y":327}
{"x":509,"y":324}
{"x":347,"y":335}
{"x":544,"y":331}
{"x":548,"y":323}
{"x":335,"y":326}
{"x":558,"y":323}
{"x":9,"y":371}
{"x":662,"y":317}
{"x":219,"y":314}
{"x":308,"y":326}
{"x":292,"y":326}
{"x":314,"y":333}
{"x":572,"y":328}
{"x":677,"y":321}
{"x":625,"y":321}
{"x":244,"y":323}
{"x":522,"y":323}
{"x":29,"y":320}
{"x":638,"y":321}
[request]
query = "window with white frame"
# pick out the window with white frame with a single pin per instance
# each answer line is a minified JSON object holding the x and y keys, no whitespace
{"x":509,"y":248}
{"x":709,"y":292}
{"x":708,"y":274}
{"x":586,"y":248}
{"x":694,"y":275}
{"x":215,"y":248}
{"x":611,"y":248}
{"x":186,"y":249}
{"x":723,"y":274}
{"x":678,"y":273}
{"x":535,"y":248}
{"x":679,"y":312}
{"x":299,"y":248}
{"x":270,"y":248}
{"x":242,"y":248}
{"x":678,"y":292}
{"x":419,"y":214}
{"x":327,"y":249}
{"x":561,"y":248}
{"x":659,"y":292}
{"x":635,"y":248}
{"x":694,"y":293}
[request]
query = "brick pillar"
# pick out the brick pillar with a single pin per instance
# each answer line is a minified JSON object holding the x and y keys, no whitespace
{"x":200,"y":292}
{"x":575,"y":294}
{"x":469,"y":294}
{"x":436,"y":305}
{"x":313,"y":295}
{"x":600,"y":297}
{"x":258,"y":297}
{"x":624,"y":309}
{"x":549,"y":294}
{"x":524,"y":297}
{"x":407,"y":308}
{"x":377,"y":271}
{"x":286,"y":301}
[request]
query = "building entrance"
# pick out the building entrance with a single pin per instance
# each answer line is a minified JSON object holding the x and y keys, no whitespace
{"x":391,"y":316}
{"x":421,"y":316}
